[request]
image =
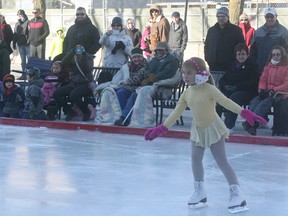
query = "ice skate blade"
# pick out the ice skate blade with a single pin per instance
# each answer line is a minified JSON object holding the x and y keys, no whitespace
{"x":197,"y":206}
{"x":238,"y":209}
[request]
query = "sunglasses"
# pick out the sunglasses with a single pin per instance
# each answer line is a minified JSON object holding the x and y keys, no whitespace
{"x":244,"y":20}
{"x":80,"y":14}
{"x":276,"y":54}
{"x":115,"y":25}
{"x":269,"y":16}
{"x":154,"y":11}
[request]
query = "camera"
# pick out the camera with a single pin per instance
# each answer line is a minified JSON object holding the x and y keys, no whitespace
{"x":79,"y":50}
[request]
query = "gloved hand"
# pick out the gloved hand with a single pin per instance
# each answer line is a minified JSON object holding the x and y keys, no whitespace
{"x":230,"y":88}
{"x":145,"y":82}
{"x":262,"y":94}
{"x":251,"y":117}
{"x":152,"y":78}
{"x":120,"y":45}
{"x":155,"y":132}
{"x":271,"y":93}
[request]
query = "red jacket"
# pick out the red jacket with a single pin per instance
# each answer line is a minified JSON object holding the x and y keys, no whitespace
{"x":274,"y":77}
{"x":248,"y":33}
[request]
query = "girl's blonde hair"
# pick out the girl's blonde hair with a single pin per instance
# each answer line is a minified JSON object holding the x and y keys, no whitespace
{"x":199,"y":65}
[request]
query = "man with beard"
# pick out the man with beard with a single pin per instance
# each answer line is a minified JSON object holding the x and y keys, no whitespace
{"x":83,"y":32}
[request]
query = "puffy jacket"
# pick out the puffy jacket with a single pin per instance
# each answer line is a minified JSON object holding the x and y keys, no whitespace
{"x":39,"y":30}
{"x":274,"y":77}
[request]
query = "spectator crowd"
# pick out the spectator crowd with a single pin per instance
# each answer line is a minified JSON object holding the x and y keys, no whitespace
{"x":250,"y":67}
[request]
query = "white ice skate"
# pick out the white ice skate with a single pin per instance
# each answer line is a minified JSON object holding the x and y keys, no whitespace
{"x":199,"y":198}
{"x":237,"y":203}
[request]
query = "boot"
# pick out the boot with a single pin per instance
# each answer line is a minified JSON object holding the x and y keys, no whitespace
{"x":119,"y":122}
{"x":199,"y":194}
{"x":236,"y":198}
{"x":86,"y":114}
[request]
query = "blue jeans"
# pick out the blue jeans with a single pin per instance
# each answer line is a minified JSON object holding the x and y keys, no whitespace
{"x":24,"y":52}
{"x":126,"y":99}
{"x":260,"y":106}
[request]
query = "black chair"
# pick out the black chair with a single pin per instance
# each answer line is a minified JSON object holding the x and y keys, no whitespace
{"x":161,"y":102}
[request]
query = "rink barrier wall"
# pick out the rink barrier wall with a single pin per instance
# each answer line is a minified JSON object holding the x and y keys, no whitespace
{"x":235,"y":138}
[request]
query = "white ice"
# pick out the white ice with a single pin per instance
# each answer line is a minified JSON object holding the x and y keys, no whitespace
{"x":45,"y":172}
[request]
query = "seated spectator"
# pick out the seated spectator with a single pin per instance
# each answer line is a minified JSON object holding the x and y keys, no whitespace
{"x":12,"y":98}
{"x":119,"y":97}
{"x":133,"y":33}
{"x":239,"y":83}
{"x":34,"y":99}
{"x":162,"y":68}
{"x":273,"y":80}
{"x":117,"y":45}
{"x":80,"y":78}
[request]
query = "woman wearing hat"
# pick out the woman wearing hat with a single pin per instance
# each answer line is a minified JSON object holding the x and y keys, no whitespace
{"x":160,"y":27}
{"x":118,"y":99}
{"x":117,"y":45}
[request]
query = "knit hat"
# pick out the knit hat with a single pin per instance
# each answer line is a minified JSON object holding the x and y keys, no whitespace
{"x":117,"y":20}
{"x":9,"y":77}
{"x":136,"y":52}
{"x":176,"y":14}
{"x":270,"y":10}
{"x":34,"y":72}
{"x":243,"y":16}
{"x":223,"y":10}
{"x":162,"y":46}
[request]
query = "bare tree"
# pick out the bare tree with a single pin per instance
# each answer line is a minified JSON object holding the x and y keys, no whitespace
{"x":235,"y":10}
{"x":42,"y":5}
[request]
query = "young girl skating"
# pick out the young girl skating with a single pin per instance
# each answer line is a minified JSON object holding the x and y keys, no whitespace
{"x":208,"y":129}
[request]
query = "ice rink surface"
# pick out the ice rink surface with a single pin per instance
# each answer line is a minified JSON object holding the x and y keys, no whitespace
{"x":45,"y":172}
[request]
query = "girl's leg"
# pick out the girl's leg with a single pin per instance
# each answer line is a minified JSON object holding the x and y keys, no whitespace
{"x":197,"y":165}
{"x":219,"y":154}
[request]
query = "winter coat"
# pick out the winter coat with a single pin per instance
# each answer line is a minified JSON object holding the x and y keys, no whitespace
{"x":135,"y":36}
{"x":83,"y":33}
{"x":121,"y":56}
{"x":164,"y":67}
{"x":245,"y":78}
{"x":263,"y":41}
{"x":21,"y":33}
{"x":57,"y":45}
{"x":248,"y":33}
{"x":7,"y":35}
{"x":12,"y":101}
{"x":274,"y":77}
{"x":219,"y":45}
{"x":34,"y":91}
{"x":85,"y":63}
{"x":159,"y":31}
{"x":178,"y":37}
{"x":39,"y":30}
{"x":145,"y":43}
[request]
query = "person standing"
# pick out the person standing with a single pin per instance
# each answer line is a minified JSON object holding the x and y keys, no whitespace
{"x":247,"y":30}
{"x":6,"y":36}
{"x":272,"y":33}
{"x":133,"y":33}
{"x":20,"y":38}
{"x":160,"y":27}
{"x":178,"y":37}
{"x":39,"y":31}
{"x":220,"y":42}
{"x":145,"y":41}
{"x":83,"y":32}
{"x":57,"y":45}
{"x":117,"y":45}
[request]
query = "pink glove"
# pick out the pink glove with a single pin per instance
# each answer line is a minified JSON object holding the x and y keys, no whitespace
{"x":252,"y":117}
{"x":155,"y":132}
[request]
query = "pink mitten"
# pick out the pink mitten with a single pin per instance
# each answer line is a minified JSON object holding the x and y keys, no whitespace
{"x":155,"y":132}
{"x":252,"y":117}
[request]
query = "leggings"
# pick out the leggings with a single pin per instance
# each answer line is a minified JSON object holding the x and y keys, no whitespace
{"x":219,"y":154}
